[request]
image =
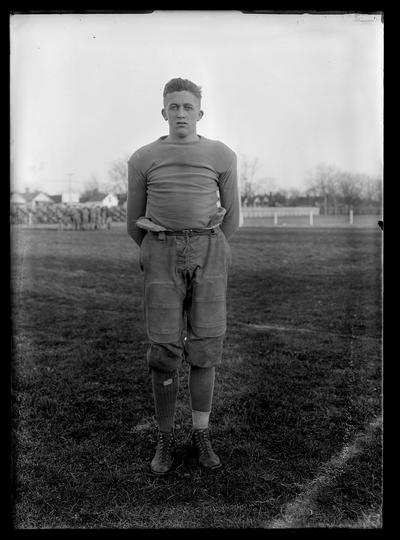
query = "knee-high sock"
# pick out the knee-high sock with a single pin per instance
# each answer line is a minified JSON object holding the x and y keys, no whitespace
{"x":201,"y":388}
{"x":165,"y":390}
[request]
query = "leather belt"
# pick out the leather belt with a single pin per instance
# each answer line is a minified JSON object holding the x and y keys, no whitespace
{"x":188,"y":232}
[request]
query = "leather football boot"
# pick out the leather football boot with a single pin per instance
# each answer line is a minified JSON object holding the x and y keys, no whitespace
{"x":206,"y":455}
{"x":164,"y":456}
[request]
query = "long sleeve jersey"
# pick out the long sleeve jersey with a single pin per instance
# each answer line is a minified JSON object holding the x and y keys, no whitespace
{"x":176,"y":185}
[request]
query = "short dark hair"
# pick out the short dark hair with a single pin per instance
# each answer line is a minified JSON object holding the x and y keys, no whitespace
{"x":179,"y":85}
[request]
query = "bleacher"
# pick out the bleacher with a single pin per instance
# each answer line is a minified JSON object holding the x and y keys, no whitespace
{"x":54,"y":213}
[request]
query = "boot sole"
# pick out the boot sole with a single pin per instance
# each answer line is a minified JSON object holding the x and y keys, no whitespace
{"x":156,"y":473}
{"x":160,"y":473}
{"x":210,"y":468}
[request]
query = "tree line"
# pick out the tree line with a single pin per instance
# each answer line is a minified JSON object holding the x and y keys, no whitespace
{"x":333,"y":190}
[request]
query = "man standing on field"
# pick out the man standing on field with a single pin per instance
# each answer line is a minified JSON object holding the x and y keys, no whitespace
{"x":173,"y":214}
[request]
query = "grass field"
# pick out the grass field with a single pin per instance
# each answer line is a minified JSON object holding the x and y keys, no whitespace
{"x":297,"y":408}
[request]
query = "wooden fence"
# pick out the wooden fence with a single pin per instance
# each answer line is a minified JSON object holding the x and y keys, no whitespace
{"x":271,"y":211}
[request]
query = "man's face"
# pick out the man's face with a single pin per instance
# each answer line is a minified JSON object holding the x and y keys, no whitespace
{"x":182,"y":111}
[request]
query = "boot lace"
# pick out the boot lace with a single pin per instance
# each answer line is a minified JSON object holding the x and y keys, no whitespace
{"x":202,"y":438}
{"x":164,"y":445}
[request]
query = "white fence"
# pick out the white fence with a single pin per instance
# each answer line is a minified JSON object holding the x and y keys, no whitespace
{"x":271,"y":211}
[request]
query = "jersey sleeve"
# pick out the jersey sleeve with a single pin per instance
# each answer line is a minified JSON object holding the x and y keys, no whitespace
{"x":229,"y":197}
{"x":137,"y":199}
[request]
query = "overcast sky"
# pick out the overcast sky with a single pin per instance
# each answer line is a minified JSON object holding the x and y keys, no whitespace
{"x":292,"y":90}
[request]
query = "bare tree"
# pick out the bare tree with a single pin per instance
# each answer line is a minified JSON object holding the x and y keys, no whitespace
{"x":92,"y":191}
{"x":372,"y":189}
{"x":293,"y":193}
{"x":349,"y":188}
{"x":118,"y":177}
{"x":323,"y":183}
{"x":247,"y":172}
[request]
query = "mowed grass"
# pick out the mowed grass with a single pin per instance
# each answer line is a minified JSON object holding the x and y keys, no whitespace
{"x":297,"y":406}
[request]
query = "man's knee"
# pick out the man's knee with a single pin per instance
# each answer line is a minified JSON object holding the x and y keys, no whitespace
{"x":163,"y":377}
{"x":204,"y":352}
{"x":164,"y":356}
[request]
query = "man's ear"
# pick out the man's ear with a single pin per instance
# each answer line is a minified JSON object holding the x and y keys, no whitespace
{"x":164,"y":114}
{"x":201,"y":114}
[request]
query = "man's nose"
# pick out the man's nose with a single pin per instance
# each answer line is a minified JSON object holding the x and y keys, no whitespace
{"x":181,"y":112}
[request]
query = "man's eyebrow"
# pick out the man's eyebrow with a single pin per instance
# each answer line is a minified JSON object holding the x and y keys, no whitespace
{"x":184,"y":104}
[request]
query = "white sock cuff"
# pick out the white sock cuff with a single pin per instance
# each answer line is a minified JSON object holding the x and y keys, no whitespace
{"x":200,"y":419}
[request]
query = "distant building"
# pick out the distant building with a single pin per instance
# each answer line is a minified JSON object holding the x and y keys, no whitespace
{"x":33,"y":199}
{"x":17,"y":198}
{"x":110,"y":200}
{"x":29,"y":196}
{"x":42,"y":199}
{"x":70,"y":197}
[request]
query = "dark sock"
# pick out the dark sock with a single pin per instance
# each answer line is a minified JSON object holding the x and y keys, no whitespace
{"x":201,"y":388}
{"x":165,"y":390}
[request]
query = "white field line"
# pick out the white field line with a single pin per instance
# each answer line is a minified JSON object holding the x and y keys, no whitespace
{"x":297,"y":511}
{"x":275,"y":327}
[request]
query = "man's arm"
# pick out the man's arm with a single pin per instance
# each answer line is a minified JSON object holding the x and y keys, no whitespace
{"x":229,"y":198}
{"x":136,"y":203}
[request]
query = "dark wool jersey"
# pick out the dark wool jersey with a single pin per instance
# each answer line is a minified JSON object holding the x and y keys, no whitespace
{"x":176,"y":185}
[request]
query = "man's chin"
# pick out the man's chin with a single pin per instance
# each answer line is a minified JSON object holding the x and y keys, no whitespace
{"x":183,"y":134}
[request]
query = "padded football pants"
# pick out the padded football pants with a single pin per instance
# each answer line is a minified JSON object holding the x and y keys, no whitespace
{"x":185,"y":282}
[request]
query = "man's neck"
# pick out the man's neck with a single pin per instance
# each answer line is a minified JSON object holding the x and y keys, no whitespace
{"x":191,"y":138}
